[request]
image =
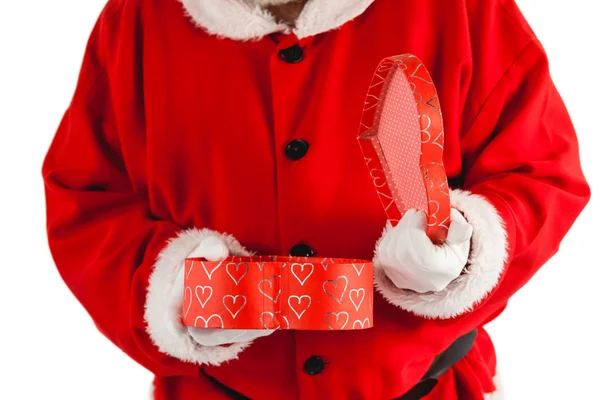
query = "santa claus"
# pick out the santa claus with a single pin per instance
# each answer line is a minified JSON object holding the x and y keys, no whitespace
{"x":218,"y":127}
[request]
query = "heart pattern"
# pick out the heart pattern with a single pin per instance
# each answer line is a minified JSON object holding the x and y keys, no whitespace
{"x":421,"y":73}
{"x":302,"y":303}
{"x":212,"y":271}
{"x":359,"y":271}
{"x":270,"y":288}
{"x":232,"y":305}
{"x":397,"y":144}
{"x":203,"y":297}
{"x":269,"y":321}
{"x":334,"y":321}
{"x":217,"y":322}
{"x":357,"y":296}
{"x":366,"y":323}
{"x":334,"y":289}
{"x":189,"y":270}
{"x":299,"y":272}
{"x":187,"y":299}
{"x":269,"y":292}
{"x":238,"y":272}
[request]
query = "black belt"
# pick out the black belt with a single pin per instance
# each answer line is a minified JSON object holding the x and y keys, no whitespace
{"x":442,"y":364}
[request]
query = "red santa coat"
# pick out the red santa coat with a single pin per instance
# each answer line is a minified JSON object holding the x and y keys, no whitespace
{"x":181,"y":120}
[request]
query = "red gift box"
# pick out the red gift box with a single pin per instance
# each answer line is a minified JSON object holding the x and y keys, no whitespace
{"x":271,"y":292}
{"x":402,"y":139}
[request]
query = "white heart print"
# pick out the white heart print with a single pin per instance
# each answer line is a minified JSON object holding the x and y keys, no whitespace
{"x":360,"y":297}
{"x":203,"y":288}
{"x":302,"y":266}
{"x":299,"y":301}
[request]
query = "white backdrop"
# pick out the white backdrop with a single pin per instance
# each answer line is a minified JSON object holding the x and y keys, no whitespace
{"x":547,"y":340}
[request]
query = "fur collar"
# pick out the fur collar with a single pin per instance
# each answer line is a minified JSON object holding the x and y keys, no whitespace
{"x":242,"y":20}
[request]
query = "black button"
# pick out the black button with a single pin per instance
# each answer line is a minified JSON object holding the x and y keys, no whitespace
{"x":302,"y":250}
{"x":296,"y":149}
{"x":314,"y":365}
{"x":292,"y":55}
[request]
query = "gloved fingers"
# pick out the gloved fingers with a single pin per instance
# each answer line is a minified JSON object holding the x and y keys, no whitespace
{"x":212,"y":248}
{"x":415,"y":219}
{"x":215,"y":337}
{"x":460,"y":231}
{"x":451,"y":257}
{"x":397,"y":276}
{"x":408,"y":241}
{"x":218,"y":337}
{"x":439,"y":284}
{"x":254,"y":334}
{"x":460,"y":252}
{"x":419,"y":282}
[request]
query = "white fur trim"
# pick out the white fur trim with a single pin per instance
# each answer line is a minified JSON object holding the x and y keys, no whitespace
{"x":163,"y":304}
{"x":498,"y":394}
{"x":246,"y":20}
{"x":486,"y":263}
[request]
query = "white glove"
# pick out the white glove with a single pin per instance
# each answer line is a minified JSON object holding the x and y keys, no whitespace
{"x":214,"y":249}
{"x":412,"y":261}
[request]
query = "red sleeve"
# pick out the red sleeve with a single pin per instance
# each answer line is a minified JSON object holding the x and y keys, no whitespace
{"x":119,"y":260}
{"x":522,"y":185}
{"x":522,"y":156}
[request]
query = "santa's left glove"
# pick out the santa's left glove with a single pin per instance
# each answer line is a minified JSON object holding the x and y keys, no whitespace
{"x":214,"y":248}
{"x":164,"y":302}
{"x":447,"y":280}
{"x":411,"y":261}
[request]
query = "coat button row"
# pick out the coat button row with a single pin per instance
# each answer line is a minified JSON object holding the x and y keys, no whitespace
{"x":314,"y":365}
{"x":302,"y":250}
{"x":296,"y":149}
{"x":292,"y":55}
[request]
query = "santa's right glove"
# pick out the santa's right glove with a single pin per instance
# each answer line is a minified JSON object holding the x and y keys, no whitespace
{"x":411,"y":261}
{"x":164,"y":301}
{"x":214,"y":248}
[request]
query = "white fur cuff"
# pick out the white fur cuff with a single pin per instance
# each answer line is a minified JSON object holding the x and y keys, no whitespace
{"x":248,"y":20}
{"x":486,"y":262}
{"x":164,"y":300}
